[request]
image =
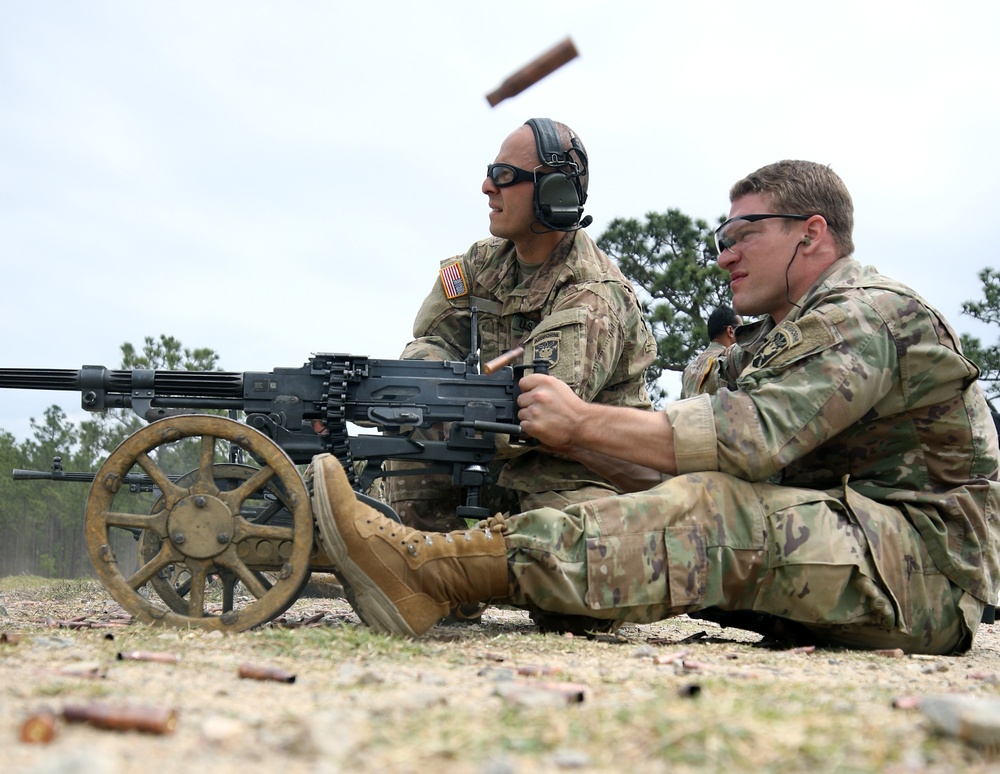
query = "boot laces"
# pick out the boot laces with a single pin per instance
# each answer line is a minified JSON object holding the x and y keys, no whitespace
{"x":412,"y":538}
{"x":495,"y":524}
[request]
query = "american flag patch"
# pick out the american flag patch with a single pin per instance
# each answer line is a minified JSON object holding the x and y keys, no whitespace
{"x":453,"y":280}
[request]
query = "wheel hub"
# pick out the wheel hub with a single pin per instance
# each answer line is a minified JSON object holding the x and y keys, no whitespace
{"x":201,"y":526}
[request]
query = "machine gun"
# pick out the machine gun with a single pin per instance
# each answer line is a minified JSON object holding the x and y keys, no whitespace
{"x":201,"y":525}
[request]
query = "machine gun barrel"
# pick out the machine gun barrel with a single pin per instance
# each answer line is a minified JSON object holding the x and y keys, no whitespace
{"x":139,"y":389}
{"x":40,"y":379}
{"x":136,"y":482}
{"x":50,"y":475}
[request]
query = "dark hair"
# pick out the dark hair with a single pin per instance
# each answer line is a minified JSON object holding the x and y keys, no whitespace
{"x":720,"y":319}
{"x":804,"y":188}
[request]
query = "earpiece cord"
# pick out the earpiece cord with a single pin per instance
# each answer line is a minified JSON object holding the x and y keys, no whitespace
{"x":788,"y":268}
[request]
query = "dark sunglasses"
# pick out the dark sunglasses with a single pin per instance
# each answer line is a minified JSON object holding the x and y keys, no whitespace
{"x":724,"y":240}
{"x":504,"y":175}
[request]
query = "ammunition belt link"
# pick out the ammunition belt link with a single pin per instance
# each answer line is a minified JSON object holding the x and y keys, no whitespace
{"x":337,"y":439}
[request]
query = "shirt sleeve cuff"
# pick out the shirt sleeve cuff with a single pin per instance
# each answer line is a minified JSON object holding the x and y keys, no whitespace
{"x":696,"y":445}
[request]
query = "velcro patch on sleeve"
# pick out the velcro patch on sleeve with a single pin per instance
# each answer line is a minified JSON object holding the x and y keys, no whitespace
{"x":453,"y":280}
{"x":791,"y":340}
{"x":547,"y":348}
{"x":705,"y":372}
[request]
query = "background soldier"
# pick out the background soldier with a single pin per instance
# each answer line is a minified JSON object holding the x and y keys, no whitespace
{"x":722,"y":324}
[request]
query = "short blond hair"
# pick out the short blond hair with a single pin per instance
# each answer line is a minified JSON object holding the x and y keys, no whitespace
{"x":804,"y":188}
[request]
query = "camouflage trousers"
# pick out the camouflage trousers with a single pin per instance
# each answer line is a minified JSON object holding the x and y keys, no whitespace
{"x":425,"y":500}
{"x":711,"y":541}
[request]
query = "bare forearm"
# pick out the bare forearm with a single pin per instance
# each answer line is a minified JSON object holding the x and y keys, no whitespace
{"x":644,"y":438}
{"x":551,"y":412}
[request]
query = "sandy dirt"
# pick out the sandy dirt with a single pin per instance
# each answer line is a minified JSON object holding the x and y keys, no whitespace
{"x":682,"y":695}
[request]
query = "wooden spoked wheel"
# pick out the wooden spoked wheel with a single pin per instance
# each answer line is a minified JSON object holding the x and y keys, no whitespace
{"x":213,"y":547}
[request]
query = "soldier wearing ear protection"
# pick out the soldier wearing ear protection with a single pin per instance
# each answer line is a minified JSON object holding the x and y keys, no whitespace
{"x":561,"y":193}
{"x":542,"y":283}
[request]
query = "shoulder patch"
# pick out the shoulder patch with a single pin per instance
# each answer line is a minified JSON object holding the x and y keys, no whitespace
{"x":794,"y":339}
{"x":547,"y":348}
{"x":781,"y":338}
{"x":453,"y":280}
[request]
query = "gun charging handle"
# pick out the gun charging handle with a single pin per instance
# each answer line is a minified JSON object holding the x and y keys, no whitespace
{"x":536,"y":367}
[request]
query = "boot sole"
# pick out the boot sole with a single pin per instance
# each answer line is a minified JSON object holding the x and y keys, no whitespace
{"x":373,"y":607}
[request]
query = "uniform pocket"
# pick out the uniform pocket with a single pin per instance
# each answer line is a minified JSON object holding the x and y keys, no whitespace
{"x":895,"y":548}
{"x":560,"y":341}
{"x":626,"y":570}
{"x":692,"y":541}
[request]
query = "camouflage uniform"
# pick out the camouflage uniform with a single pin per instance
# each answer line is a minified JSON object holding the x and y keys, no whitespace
{"x":578,"y":312}
{"x":843,"y":478}
{"x":698,"y":369}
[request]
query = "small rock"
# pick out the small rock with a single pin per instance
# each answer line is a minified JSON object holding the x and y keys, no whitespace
{"x":972,"y":719}
{"x":219,"y":730}
{"x":368,"y":677}
{"x":418,"y":700}
{"x":52,"y":641}
{"x":498,"y":674}
{"x":79,"y":761}
{"x":570,"y":759}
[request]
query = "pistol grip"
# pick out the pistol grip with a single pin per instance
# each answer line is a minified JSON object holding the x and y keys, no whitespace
{"x":536,"y":367}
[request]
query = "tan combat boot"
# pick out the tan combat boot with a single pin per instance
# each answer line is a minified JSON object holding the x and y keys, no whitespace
{"x":404,"y":580}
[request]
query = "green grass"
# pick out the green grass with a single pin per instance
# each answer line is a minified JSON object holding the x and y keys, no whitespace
{"x":51,"y":588}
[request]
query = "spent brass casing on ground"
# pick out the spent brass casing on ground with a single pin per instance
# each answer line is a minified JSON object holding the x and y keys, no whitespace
{"x":256,"y":672}
{"x":152,"y":720}
{"x":143,"y":655}
{"x":39,"y":728}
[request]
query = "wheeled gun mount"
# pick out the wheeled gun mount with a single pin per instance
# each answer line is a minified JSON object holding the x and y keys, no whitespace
{"x":249,"y":522}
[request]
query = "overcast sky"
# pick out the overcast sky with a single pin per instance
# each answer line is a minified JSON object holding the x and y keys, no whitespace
{"x":274,"y":179}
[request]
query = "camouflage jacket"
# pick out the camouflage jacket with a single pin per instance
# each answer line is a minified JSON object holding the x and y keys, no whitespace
{"x":863,"y":390}
{"x":695,"y":376}
{"x":577,"y":311}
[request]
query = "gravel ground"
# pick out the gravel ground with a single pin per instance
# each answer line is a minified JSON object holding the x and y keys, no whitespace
{"x":497,"y":697}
